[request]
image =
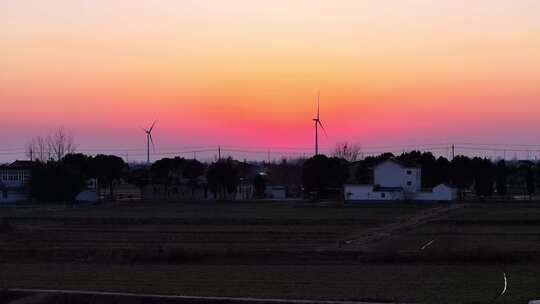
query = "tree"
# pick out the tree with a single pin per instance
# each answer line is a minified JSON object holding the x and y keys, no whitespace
{"x":501,"y":179}
{"x":55,"y":182}
{"x":223,"y":177}
{"x":483,"y":176}
{"x":61,"y":143}
{"x":259,"y":185}
{"x":192,"y":169}
{"x":108,"y":169}
{"x":461,"y":173}
{"x":321,"y":173}
{"x":348,"y":152}
{"x":530,"y":180}
{"x":38,"y":149}
{"x":138,"y":177}
{"x":78,"y":162}
{"x":51,"y":147}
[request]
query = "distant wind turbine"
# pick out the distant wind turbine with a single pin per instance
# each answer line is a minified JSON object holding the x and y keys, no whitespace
{"x":318,"y":123}
{"x":149,"y":140}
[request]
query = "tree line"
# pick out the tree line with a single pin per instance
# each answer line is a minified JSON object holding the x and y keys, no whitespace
{"x":62,"y":177}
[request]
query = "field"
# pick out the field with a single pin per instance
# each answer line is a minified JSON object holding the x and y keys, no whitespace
{"x":383,"y":253}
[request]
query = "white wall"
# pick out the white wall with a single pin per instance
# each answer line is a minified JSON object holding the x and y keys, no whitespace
{"x":366,"y":193}
{"x":392,"y":174}
{"x":388,"y":174}
{"x":357,"y":192}
{"x":439,"y":193}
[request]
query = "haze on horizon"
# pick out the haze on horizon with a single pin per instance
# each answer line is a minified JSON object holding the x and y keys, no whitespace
{"x":247,"y":72}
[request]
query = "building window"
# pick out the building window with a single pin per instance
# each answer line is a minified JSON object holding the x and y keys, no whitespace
{"x":383,"y":195}
{"x":5,"y":194}
{"x":409,"y":183}
{"x":409,"y":172}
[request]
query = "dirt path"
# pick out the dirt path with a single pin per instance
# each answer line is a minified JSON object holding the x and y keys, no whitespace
{"x":362,"y":239}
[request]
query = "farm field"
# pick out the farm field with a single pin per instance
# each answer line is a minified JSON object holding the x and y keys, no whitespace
{"x":426,"y":253}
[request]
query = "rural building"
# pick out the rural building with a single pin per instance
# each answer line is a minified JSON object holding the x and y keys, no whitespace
{"x":394,"y":180}
{"x":275,"y":192}
{"x":14,"y":180}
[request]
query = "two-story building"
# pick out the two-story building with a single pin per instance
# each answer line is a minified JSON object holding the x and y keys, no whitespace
{"x":14,"y":180}
{"x":394,"y":180}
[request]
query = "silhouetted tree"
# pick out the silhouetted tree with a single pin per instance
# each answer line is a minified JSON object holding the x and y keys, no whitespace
{"x":530,"y":180}
{"x":321,"y":173}
{"x":286,"y":173}
{"x":108,"y":169}
{"x":138,"y":177}
{"x":483,"y":176}
{"x":347,"y":151}
{"x":501,"y":180}
{"x":78,"y":162}
{"x":55,"y":182}
{"x":461,"y":173}
{"x":174,"y":171}
{"x":223,"y":177}
{"x":167,"y":172}
{"x":259,"y":185}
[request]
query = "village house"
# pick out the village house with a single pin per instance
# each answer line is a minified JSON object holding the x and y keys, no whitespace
{"x":14,"y":180}
{"x":394,"y":180}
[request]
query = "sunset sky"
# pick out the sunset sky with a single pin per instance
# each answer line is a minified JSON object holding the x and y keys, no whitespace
{"x":246,"y":73}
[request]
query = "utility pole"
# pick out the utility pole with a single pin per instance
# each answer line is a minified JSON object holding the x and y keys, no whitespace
{"x":219,"y":153}
{"x":268,"y":155}
{"x":453,"y":151}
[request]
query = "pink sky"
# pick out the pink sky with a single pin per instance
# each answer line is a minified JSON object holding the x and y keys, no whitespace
{"x":246,"y":73}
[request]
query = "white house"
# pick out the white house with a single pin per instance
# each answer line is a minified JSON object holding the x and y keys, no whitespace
{"x":393,"y":181}
{"x":14,"y":179}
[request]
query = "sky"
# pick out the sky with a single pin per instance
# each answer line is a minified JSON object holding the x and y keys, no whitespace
{"x":246,"y":73}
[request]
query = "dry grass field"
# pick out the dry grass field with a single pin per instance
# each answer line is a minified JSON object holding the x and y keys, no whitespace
{"x":385,"y":252}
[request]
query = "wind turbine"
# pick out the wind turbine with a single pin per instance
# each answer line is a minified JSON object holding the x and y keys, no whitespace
{"x":149,"y":140}
{"x":318,"y":123}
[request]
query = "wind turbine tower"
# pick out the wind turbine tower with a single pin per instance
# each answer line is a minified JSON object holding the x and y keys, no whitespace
{"x":318,"y":123}
{"x":149,"y":140}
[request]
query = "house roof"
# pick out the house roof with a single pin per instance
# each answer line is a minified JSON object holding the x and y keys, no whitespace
{"x":18,"y":164}
{"x":401,"y":163}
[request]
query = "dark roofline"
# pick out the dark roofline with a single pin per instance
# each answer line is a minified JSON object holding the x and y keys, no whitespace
{"x":19,"y":164}
{"x":399,"y":162}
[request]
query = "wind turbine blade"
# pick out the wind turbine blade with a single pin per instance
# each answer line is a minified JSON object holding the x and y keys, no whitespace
{"x":152,"y":141}
{"x":322,"y":127}
{"x":152,"y":127}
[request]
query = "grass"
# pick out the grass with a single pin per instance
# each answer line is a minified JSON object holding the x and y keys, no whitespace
{"x":275,"y":250}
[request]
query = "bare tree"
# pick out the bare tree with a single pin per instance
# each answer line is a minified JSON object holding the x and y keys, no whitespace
{"x":349,"y":152}
{"x":31,"y":150}
{"x":38,"y":149}
{"x":61,"y":143}
{"x":54,"y":146}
